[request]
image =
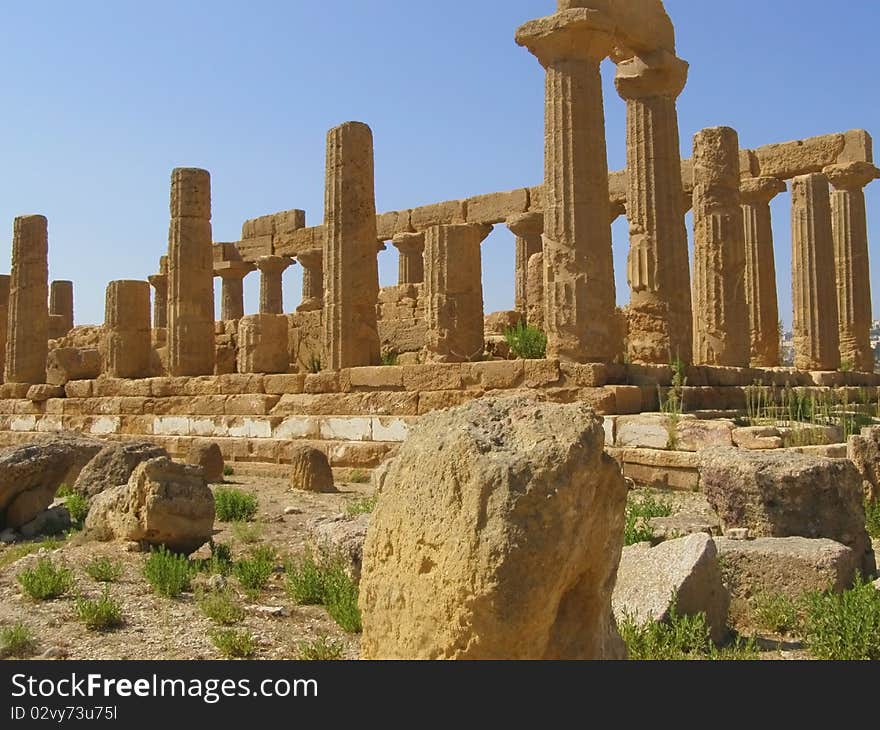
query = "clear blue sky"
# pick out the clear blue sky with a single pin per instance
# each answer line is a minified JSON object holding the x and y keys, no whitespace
{"x":101,"y":100}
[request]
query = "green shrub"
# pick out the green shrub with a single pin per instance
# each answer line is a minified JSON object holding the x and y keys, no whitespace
{"x":168,"y":573}
{"x":305,"y":580}
{"x":526,"y":342}
{"x":233,"y":505}
{"x":17,"y":641}
{"x":221,"y":606}
{"x":389,"y":358}
{"x":844,"y":626}
{"x":639,"y":512}
{"x":341,"y":599}
{"x":872,"y":518}
{"x":45,"y":581}
{"x":64,"y":491}
{"x":359,"y":476}
{"x":325,"y":581}
{"x":228,"y":471}
{"x":776,"y":613}
{"x":233,"y":644}
{"x":101,"y":614}
{"x":314,"y":365}
{"x":104,"y":570}
{"x":363,"y":506}
{"x":78,"y":507}
{"x":320,"y":649}
{"x":220,"y":562}
{"x":253,"y":573}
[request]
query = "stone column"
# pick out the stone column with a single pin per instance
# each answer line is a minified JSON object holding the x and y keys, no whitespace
{"x":159,"y":282}
{"x":814,"y":290}
{"x":760,"y":271}
{"x":721,"y":316}
{"x":232,"y":275}
{"x":454,"y":291}
{"x":411,"y":257}
{"x":312,"y":262}
{"x":190,"y":275}
{"x":660,"y":318}
{"x":28,"y":316}
{"x":4,"y":318}
{"x":579,"y":291}
{"x":535,"y":291}
{"x":127,"y":346}
{"x":272,"y":269}
{"x":850,"y":226}
{"x":351,"y":273}
{"x":61,"y":306}
{"x":527,"y":228}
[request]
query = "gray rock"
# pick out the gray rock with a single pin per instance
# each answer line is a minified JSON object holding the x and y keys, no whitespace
{"x":9,"y":536}
{"x":52,"y":521}
{"x":113,"y":465}
{"x":343,"y":536}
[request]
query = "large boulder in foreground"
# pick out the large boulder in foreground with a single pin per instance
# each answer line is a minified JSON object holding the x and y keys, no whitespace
{"x":787,"y":494}
{"x":164,"y":503}
{"x":684,"y":572}
{"x":113,"y":465}
{"x":497,"y":536}
{"x":31,"y":475}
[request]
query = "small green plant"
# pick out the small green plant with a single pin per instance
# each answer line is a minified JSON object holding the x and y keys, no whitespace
{"x":78,"y":507}
{"x":776,"y":613}
{"x":104,"y":570}
{"x":389,"y":358}
{"x":253,"y":573}
{"x":321,"y":649}
{"x":64,"y":491}
{"x":844,"y":626}
{"x":872,"y":517}
{"x":324,"y":580}
{"x":526,"y":342}
{"x":247,"y":532}
{"x":221,"y":606}
{"x":233,"y":505}
{"x":46,"y":581}
{"x":305,"y":580}
{"x":363,"y":506}
{"x":17,"y":641}
{"x":341,"y":599}
{"x":314,"y":364}
{"x":846,"y":365}
{"x":168,"y":573}
{"x":359,"y":476}
{"x":220,"y":562}
{"x":639,"y":512}
{"x":228,"y":471}
{"x":233,"y":644}
{"x":100,"y":614}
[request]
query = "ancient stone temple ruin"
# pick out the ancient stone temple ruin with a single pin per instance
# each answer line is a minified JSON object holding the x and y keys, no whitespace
{"x":352,"y":367}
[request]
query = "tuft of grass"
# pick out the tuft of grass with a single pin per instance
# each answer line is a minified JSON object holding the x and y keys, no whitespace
{"x":246,"y":532}
{"x":872,"y":518}
{"x":305,"y":580}
{"x":221,"y":606}
{"x":45,"y":581}
{"x":17,"y":641}
{"x":78,"y":507}
{"x":168,"y":573}
{"x":389,"y":358}
{"x":233,"y":644}
{"x":314,"y":365}
{"x":359,"y":476}
{"x":104,"y":570}
{"x":363,"y":506}
{"x":65,"y":490}
{"x":253,"y":573}
{"x":776,"y":613}
{"x":321,"y":649}
{"x":220,"y":562}
{"x":323,"y":580}
{"x":228,"y":471}
{"x":100,"y":614}
{"x":526,"y":342}
{"x":844,"y":626}
{"x":233,"y":505}
{"x":638,"y":514}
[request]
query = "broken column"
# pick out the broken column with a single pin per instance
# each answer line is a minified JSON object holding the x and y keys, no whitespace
{"x":527,"y":227}
{"x":660,"y":318}
{"x":760,"y":271}
{"x":410,"y":261}
{"x":535,"y":291}
{"x":814,"y":291}
{"x":312,"y":264}
{"x":850,"y":226}
{"x":272,"y":269}
{"x":721,"y":317}
{"x":351,"y":273}
{"x":127,"y":347}
{"x":60,"y":308}
{"x":454,"y":292}
{"x":579,"y":291}
{"x":232,"y":275}
{"x":4,"y":318}
{"x":159,"y":282}
{"x":190,"y":275}
{"x":28,"y":316}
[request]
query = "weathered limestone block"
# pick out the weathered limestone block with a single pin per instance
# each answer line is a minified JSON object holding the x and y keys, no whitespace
{"x":527,"y":227}
{"x":758,"y":438}
{"x":342,"y":535}
{"x":411,"y":262}
{"x":263,"y":344}
{"x":28,"y":313}
{"x":863,"y":450}
{"x":310,"y":470}
{"x":113,"y":465}
{"x":760,"y":270}
{"x":61,"y":305}
{"x":721,"y":317}
{"x":497,"y":207}
{"x":43,"y":392}
{"x":485,"y":526}
{"x":312,"y":262}
{"x":535,"y":291}
{"x":305,"y":334}
{"x":685,"y":570}
{"x":190,"y":275}
{"x":163,"y":503}
{"x":814,"y":291}
{"x":454,"y":291}
{"x":207,"y":455}
{"x":785,"y":494}
{"x":127,"y":344}
{"x":272,"y":269}
{"x":351,"y":275}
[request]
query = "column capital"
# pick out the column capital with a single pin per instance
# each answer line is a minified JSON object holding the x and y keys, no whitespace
{"x":311,"y":257}
{"x":761,"y":189}
{"x":409,"y":243}
{"x":576,"y":34}
{"x":660,"y":73}
{"x":158,"y":280}
{"x":526,"y":224}
{"x":233,"y":269}
{"x":273,"y":264}
{"x":851,"y":175}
